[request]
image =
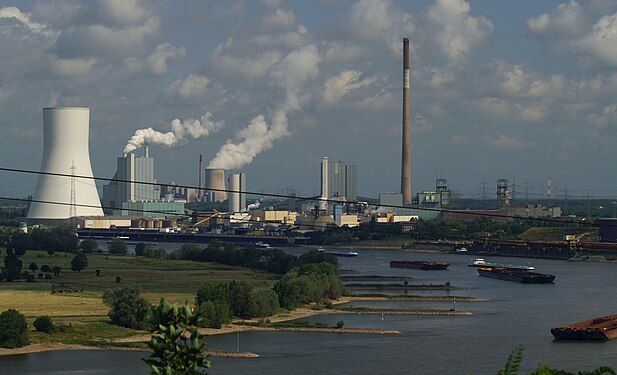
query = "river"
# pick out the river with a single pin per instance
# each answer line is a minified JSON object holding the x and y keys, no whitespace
{"x":478,"y":344}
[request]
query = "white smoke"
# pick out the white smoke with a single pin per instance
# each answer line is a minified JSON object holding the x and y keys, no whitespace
{"x":180,"y":131}
{"x":291,"y":73}
{"x":253,"y":206}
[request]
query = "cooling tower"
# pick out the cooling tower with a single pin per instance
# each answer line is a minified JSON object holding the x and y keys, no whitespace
{"x":215,"y":185}
{"x":65,"y":151}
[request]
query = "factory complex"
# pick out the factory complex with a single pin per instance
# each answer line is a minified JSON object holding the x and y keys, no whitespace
{"x":222,"y":201}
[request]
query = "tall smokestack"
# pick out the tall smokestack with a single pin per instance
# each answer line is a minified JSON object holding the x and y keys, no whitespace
{"x":406,"y":162}
{"x":200,"y":192}
{"x":323,"y":204}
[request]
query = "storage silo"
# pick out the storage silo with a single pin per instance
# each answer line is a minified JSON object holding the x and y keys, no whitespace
{"x":215,"y":185}
{"x":71,"y":190}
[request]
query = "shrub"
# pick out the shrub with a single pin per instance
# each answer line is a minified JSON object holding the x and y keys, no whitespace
{"x":177,"y":347}
{"x":79,"y":262}
{"x":44,"y":324}
{"x":117,"y":246}
{"x":13,"y":329}
{"x":89,"y":246}
{"x":340,"y":324}
{"x":128,"y":308}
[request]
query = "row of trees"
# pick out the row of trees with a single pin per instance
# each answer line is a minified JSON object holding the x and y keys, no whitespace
{"x":269,"y":260}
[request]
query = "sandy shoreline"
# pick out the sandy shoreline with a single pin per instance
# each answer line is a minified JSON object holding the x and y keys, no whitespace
{"x":226,"y":329}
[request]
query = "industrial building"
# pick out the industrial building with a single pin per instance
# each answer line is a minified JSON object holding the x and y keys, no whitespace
{"x":66,"y":187}
{"x":133,"y":190}
{"x":342,"y":180}
{"x":237,"y":194}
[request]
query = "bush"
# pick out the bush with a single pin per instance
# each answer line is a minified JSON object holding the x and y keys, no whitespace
{"x":340,"y":324}
{"x":13,"y":329}
{"x":117,"y":246}
{"x":44,"y":324}
{"x":79,"y":262}
{"x":128,"y":308}
{"x":177,"y":347}
{"x":89,"y":246}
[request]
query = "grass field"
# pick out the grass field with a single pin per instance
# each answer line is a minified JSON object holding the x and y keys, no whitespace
{"x":81,"y":311}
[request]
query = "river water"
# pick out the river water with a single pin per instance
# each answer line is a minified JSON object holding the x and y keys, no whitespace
{"x":479,"y":344}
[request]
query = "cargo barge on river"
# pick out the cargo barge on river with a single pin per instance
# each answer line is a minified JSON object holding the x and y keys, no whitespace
{"x":598,"y":329}
{"x":525,"y":277}
{"x":419,"y":264}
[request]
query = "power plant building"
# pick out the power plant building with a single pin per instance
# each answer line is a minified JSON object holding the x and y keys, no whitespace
{"x":237,"y":194}
{"x":66,"y":187}
{"x":133,"y":190}
{"x":342,"y":180}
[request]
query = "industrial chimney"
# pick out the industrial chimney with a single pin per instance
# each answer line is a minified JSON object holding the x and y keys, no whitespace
{"x":323,"y":200}
{"x":65,"y":151}
{"x":215,"y":185}
{"x":406,"y":155}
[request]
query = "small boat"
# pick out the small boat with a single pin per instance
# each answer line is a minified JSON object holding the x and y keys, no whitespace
{"x":519,"y":276}
{"x":122,"y":238}
{"x":598,"y":329}
{"x":261,"y":244}
{"x":348,"y":253}
{"x":419,"y":264}
{"x":481,"y":262}
{"x":461,"y":250}
{"x":321,"y":249}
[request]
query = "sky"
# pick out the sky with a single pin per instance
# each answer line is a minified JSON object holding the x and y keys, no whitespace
{"x":524,"y":90}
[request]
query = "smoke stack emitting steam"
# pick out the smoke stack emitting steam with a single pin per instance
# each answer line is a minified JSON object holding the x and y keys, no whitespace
{"x":180,"y":131}
{"x":406,"y":154}
{"x":291,"y":73}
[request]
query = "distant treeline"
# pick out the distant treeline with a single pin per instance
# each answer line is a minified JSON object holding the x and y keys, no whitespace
{"x":269,"y":260}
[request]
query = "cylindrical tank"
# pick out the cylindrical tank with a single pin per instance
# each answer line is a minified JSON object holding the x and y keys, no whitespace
{"x":215,"y":185}
{"x":234,"y":195}
{"x":65,"y":151}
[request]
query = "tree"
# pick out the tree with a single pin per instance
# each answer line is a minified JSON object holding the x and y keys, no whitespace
{"x":89,"y":246}
{"x":13,"y":329}
{"x":117,"y":246}
{"x":45,"y":268}
{"x":18,"y":244}
{"x":12,"y":267}
{"x":177,"y":347}
{"x":79,"y":262}
{"x":128,"y":308}
{"x":33,"y":267}
{"x":56,"y":270}
{"x":263,"y":302}
{"x":44,"y":324}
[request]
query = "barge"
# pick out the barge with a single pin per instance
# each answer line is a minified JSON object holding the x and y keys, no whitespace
{"x":419,"y":264}
{"x":598,"y":329}
{"x":480,"y":262}
{"x":519,"y":276}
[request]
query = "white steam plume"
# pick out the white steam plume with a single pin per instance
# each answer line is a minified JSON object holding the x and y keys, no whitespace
{"x":291,"y":73}
{"x":180,"y":131}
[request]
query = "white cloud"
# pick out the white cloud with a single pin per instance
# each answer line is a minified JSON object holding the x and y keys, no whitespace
{"x":337,"y":86}
{"x":441,"y":77}
{"x":601,"y":42}
{"x":533,"y":113}
{"x":165,"y":51}
{"x":192,"y":86}
{"x":119,"y":12}
{"x":250,"y":67}
{"x":493,"y":107}
{"x":568,"y":19}
{"x":382,"y":100}
{"x":279,"y":18}
{"x":24,"y":19}
{"x":378,"y":20}
{"x":71,"y":67}
{"x":292,"y":39}
{"x":458,"y":33}
{"x":509,"y":143}
{"x":341,"y":52}
{"x":421,"y":125}
{"x":101,"y":41}
{"x":602,"y":120}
